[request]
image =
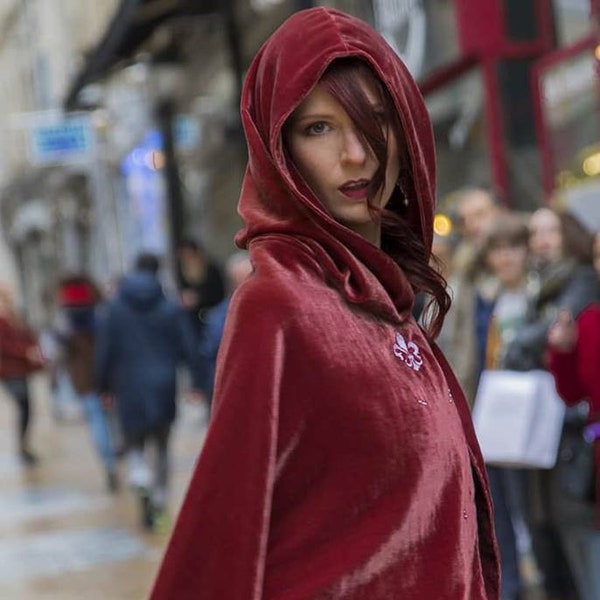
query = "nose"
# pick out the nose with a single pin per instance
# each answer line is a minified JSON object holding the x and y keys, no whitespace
{"x":353,"y":149}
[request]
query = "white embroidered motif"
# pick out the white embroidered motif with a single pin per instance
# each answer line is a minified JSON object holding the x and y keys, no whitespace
{"x":409,"y":353}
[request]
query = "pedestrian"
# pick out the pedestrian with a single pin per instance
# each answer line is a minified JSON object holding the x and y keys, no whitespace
{"x":237,"y":269}
{"x":143,"y":337}
{"x":474,"y":289}
{"x":574,"y":353}
{"x":20,"y":356}
{"x":340,"y":461}
{"x":78,"y":299}
{"x":200,"y":282}
{"x":476,"y":210}
{"x":561,"y":278}
{"x":505,"y":252}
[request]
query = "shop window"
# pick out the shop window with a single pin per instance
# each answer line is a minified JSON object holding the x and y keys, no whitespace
{"x":571,"y":108}
{"x":514,"y":78}
{"x":520,"y":22}
{"x":572,"y":18}
{"x":460,"y":135}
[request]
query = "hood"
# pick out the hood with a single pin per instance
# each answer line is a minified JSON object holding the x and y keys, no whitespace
{"x":141,"y":290}
{"x":274,"y":201}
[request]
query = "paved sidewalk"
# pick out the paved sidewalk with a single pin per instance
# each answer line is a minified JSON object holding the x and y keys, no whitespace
{"x":62,"y":535}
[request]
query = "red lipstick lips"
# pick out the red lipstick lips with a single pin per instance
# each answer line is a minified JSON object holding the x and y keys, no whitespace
{"x":356,"y":189}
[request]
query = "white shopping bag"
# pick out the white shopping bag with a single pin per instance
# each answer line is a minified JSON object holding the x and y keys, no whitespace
{"x":518,"y":418}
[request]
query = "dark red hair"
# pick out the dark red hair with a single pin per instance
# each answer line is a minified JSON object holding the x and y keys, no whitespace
{"x":343,"y":80}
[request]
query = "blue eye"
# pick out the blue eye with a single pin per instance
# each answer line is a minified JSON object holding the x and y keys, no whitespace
{"x":318,"y":128}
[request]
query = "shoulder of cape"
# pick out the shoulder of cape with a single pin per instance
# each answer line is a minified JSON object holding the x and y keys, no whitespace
{"x":282,"y":287}
{"x":264,"y":295}
{"x":286,"y":261}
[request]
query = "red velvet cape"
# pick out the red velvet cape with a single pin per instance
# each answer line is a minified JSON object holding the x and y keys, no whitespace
{"x":340,"y":462}
{"x":578,"y":378}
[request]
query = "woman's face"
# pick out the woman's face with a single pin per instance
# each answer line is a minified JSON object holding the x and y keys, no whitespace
{"x":509,"y":264}
{"x":545,"y":235}
{"x":338,"y":167}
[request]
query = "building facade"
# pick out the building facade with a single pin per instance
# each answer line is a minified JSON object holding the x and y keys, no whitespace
{"x":45,"y":206}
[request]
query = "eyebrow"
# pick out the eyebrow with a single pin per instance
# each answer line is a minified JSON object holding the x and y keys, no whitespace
{"x":311,"y":116}
{"x":378,"y":107}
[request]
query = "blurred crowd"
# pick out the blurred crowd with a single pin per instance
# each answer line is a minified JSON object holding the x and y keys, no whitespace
{"x":524,"y":287}
{"x":114,"y":357}
{"x":526,"y":297}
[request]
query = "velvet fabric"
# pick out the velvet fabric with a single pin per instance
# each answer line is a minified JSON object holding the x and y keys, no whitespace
{"x":340,"y":462}
{"x":577,"y":377}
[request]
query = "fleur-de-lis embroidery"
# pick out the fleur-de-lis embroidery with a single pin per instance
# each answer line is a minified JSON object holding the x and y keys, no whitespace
{"x":408,"y":352}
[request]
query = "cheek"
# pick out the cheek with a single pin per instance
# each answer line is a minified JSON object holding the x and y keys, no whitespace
{"x":492,"y":261}
{"x":533,"y":241}
{"x":516,"y":264}
{"x":309,"y":161}
{"x":551,"y":239}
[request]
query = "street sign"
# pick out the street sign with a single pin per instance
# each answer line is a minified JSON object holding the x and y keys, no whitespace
{"x":61,"y":141}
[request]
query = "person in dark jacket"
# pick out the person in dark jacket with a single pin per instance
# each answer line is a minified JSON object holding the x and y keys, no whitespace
{"x":200,"y":281}
{"x":562,"y":279}
{"x":142,"y":338}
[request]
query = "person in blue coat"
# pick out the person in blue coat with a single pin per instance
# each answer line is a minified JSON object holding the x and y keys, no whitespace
{"x":143,"y":337}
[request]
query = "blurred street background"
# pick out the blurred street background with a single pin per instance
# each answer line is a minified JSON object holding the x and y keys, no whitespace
{"x":121,"y":136}
{"x":62,"y":535}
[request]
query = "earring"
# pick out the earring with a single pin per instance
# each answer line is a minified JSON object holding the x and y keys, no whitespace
{"x":404,"y":197}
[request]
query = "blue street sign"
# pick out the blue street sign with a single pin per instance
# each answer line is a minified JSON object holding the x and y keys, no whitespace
{"x":69,"y":140}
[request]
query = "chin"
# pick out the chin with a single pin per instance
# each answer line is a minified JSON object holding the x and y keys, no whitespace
{"x":362,"y":216}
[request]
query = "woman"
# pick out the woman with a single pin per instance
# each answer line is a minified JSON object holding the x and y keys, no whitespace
{"x":19,"y":357}
{"x":504,"y":249}
{"x":574,"y":352}
{"x":562,"y":278}
{"x":340,"y":461}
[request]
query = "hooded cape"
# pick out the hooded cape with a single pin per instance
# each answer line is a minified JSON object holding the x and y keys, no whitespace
{"x":340,"y":462}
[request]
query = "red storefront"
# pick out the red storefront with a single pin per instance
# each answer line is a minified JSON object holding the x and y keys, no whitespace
{"x":512,"y":87}
{"x":566,"y":95}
